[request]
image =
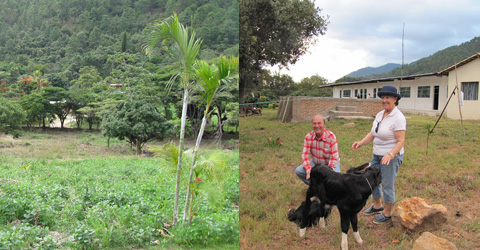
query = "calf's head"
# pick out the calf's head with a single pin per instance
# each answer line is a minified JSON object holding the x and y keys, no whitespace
{"x":375,"y":172}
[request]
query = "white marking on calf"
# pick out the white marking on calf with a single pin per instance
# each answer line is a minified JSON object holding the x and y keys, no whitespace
{"x":357,"y":238}
{"x":321,"y":222}
{"x":302,"y":232}
{"x":344,"y":241}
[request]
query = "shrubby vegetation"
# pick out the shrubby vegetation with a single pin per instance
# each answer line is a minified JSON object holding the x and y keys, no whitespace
{"x":108,"y":203}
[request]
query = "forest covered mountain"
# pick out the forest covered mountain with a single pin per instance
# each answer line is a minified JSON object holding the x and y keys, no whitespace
{"x":440,"y":60}
{"x":62,"y":36}
{"x":374,"y":70}
{"x":434,"y":63}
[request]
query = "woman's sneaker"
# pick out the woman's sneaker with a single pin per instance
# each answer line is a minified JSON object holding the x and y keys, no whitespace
{"x":371,"y":210}
{"x":380,"y":219}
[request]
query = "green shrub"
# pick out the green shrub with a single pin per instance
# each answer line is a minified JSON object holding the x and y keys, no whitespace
{"x":26,"y":236}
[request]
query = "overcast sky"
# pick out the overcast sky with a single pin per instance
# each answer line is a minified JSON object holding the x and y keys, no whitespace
{"x":364,"y":33}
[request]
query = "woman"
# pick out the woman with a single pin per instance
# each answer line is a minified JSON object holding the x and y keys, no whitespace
{"x":388,"y":136}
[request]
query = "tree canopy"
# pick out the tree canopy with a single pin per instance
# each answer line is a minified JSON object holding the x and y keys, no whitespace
{"x":138,"y":122}
{"x":275,"y":33}
{"x":64,"y":36}
{"x":12,"y":117}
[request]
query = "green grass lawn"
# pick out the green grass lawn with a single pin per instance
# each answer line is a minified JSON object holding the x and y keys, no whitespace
{"x":67,"y":190}
{"x":448,"y":175}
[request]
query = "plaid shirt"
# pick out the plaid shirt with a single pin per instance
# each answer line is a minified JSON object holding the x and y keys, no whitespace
{"x":324,"y":150}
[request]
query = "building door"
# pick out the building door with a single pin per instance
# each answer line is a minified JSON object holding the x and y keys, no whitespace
{"x":436,"y":92}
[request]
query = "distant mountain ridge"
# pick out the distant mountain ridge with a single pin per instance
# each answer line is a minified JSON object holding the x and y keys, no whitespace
{"x":374,"y":70}
{"x":430,"y":64}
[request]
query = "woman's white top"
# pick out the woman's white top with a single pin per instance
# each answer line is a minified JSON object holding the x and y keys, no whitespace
{"x":384,"y":140}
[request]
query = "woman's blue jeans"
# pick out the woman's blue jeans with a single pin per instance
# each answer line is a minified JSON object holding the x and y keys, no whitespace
{"x":389,"y":175}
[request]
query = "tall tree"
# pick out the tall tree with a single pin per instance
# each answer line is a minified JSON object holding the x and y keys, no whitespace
{"x":275,"y":32}
{"x":210,"y":77}
{"x":185,"y":48}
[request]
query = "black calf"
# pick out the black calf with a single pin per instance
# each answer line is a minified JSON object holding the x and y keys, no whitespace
{"x":316,"y":212}
{"x":349,"y":192}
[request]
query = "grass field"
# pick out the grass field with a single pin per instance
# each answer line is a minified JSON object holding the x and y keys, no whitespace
{"x":67,"y":190}
{"x":448,"y":175}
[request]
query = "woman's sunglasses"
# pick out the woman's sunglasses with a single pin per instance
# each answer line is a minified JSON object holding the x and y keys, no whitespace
{"x":376,"y":129}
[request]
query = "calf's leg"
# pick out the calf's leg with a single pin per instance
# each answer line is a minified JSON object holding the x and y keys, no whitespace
{"x":356,"y":235}
{"x":306,"y":211}
{"x":323,"y":215}
{"x":345,"y":224}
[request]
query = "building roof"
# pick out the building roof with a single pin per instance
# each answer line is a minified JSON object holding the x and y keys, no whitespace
{"x":387,"y":79}
{"x":445,"y":71}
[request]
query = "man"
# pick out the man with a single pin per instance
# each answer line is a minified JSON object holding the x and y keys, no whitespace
{"x":321,"y":145}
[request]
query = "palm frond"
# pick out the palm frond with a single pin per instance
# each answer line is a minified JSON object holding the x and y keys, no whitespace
{"x":211,"y":166}
{"x":185,"y":49}
{"x":211,"y":77}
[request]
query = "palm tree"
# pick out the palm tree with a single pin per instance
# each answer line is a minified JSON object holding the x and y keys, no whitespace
{"x":185,"y":49}
{"x":210,"y":78}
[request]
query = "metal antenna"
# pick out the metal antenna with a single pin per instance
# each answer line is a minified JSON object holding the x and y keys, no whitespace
{"x":403,"y":56}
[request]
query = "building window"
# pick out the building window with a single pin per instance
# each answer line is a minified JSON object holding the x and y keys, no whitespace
{"x":340,"y":94}
{"x":356,"y":93}
{"x":423,"y":91}
{"x":405,"y":92}
{"x":470,"y":91}
{"x":346,"y":93}
{"x":374,"y":93}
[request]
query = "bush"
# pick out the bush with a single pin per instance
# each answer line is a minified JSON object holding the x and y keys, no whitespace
{"x":12,"y":117}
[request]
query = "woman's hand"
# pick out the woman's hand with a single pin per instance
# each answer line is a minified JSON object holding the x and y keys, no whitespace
{"x":366,"y":140}
{"x":356,"y":145}
{"x":386,"y":159}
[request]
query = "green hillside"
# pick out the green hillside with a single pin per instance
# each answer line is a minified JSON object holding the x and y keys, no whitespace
{"x":441,"y":59}
{"x":62,"y":36}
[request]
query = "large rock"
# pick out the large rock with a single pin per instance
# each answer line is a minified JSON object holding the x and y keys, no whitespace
{"x":428,"y":241}
{"x":417,"y":214}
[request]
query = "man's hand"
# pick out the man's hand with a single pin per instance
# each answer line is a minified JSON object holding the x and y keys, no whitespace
{"x":308,"y":174}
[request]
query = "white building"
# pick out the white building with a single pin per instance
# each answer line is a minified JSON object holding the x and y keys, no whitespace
{"x":426,"y":94}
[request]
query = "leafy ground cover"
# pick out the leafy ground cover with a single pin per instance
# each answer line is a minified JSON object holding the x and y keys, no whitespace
{"x":448,"y":175}
{"x":67,"y":190}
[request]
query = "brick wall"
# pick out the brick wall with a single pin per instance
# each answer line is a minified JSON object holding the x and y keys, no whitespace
{"x":303,"y":108}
